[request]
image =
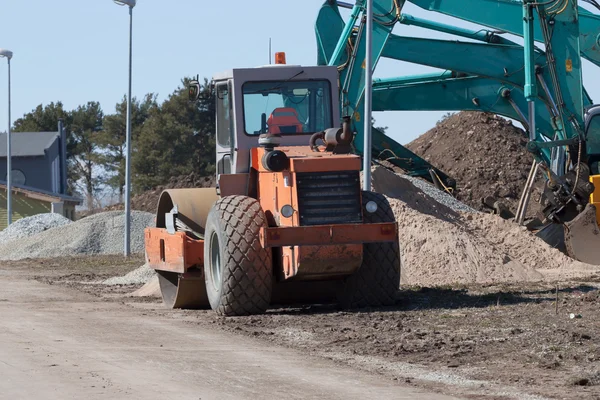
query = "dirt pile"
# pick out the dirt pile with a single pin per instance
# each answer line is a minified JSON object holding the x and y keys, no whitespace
{"x":148,"y":200}
{"x":486,"y":155}
{"x":442,"y":246}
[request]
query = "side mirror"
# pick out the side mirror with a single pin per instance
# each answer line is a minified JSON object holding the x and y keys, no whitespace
{"x":194,"y":90}
{"x":593,"y":124}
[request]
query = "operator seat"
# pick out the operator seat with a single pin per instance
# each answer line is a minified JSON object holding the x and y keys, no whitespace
{"x":284,"y":120}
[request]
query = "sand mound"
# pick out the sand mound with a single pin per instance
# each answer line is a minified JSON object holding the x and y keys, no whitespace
{"x":150,"y":289}
{"x":442,"y":246}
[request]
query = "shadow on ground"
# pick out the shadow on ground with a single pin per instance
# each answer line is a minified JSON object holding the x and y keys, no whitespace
{"x":447,"y":299}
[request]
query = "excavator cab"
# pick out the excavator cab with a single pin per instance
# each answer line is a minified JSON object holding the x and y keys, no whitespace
{"x":288,"y":221}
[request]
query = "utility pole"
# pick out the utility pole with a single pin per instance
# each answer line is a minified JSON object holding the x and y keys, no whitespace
{"x":368,"y":98}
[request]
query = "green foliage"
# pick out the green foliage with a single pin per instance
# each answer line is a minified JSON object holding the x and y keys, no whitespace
{"x":85,"y":147}
{"x":43,"y":119}
{"x":177,"y":138}
{"x":113,"y":138}
{"x":169,"y":139}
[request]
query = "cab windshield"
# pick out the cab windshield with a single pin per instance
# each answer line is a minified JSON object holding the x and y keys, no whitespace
{"x":287,"y":107}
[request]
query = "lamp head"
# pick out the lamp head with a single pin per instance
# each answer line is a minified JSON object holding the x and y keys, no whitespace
{"x":130,"y":3}
{"x":6,"y":53}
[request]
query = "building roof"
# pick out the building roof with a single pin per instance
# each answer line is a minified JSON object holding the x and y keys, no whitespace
{"x":41,"y":194}
{"x":27,"y":144}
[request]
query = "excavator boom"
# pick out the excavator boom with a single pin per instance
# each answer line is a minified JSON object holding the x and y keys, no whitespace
{"x":542,"y":87}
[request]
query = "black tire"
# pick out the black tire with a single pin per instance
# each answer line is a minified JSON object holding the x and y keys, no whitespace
{"x":377,"y":282}
{"x":237,"y":269}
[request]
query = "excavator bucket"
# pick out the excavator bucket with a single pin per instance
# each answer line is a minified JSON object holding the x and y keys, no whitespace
{"x":582,"y":236}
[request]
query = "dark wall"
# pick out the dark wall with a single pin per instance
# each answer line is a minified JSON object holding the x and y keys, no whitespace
{"x":37,"y":170}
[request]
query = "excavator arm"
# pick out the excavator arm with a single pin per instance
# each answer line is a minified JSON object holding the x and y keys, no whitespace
{"x":541,"y":87}
{"x":507,"y":16}
{"x":448,"y":92}
{"x":342,"y":44}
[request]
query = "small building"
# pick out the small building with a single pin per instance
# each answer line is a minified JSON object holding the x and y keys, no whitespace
{"x":39,"y":175}
{"x":28,"y":201}
{"x":38,"y":160}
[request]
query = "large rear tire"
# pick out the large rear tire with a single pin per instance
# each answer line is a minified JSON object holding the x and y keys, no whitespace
{"x":377,"y":281}
{"x":237,"y":269}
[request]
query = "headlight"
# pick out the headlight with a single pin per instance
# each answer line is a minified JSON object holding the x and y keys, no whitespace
{"x":275,"y":161}
{"x":287,"y":211}
{"x":371,"y":207}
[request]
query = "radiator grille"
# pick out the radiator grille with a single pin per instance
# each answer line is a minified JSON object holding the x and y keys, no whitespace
{"x":326,"y":198}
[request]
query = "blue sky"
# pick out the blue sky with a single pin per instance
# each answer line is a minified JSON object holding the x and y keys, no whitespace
{"x":76,"y":50}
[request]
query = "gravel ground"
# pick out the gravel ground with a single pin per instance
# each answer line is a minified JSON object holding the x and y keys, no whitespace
{"x":98,"y":234}
{"x":26,"y":227}
{"x":138,"y":276}
{"x":494,"y":342}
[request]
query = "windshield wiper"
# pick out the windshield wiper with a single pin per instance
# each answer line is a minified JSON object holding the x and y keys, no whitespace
{"x":274,"y":88}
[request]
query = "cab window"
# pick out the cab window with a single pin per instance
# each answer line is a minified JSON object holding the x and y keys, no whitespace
{"x":223,"y":115}
{"x":287,"y":107}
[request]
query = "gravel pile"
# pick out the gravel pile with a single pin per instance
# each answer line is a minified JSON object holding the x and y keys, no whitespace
{"x":98,"y":234}
{"x":439,"y":195}
{"x":389,"y":187}
{"x":138,"y":276}
{"x":26,"y":227}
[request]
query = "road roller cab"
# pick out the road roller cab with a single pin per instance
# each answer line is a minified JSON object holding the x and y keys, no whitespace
{"x":287,"y":220}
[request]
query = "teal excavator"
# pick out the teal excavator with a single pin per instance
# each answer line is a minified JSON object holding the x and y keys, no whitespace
{"x":537,"y":82}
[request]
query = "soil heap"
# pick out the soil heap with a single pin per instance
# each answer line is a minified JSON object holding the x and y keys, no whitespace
{"x":484,"y":153}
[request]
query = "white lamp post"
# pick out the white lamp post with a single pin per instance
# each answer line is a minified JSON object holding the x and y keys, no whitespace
{"x":127,"y":248}
{"x":8,"y":54}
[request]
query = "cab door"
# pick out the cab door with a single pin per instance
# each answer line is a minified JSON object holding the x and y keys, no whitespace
{"x":225,"y":127}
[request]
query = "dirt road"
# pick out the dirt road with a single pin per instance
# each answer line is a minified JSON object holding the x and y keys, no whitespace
{"x":60,"y":343}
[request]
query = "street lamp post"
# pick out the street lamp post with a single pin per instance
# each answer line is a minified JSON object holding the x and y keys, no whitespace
{"x":368,"y":98}
{"x":127,"y":246}
{"x":8,"y":55}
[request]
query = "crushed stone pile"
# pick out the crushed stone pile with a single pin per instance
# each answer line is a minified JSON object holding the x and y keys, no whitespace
{"x":29,"y":226}
{"x":442,"y":246}
{"x":438,"y":195}
{"x":97,"y":234}
{"x":485,"y":154}
{"x":138,"y":276}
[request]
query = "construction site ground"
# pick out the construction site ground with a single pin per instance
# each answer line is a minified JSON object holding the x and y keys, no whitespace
{"x":57,"y":342}
{"x":66,"y":335}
